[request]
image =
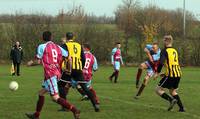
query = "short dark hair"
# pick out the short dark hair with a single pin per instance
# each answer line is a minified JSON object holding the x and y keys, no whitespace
{"x":155,"y":43}
{"x":87,"y":45}
{"x":46,"y":36}
{"x":69,"y":35}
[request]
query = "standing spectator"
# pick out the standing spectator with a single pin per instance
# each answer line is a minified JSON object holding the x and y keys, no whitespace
{"x":16,"y":56}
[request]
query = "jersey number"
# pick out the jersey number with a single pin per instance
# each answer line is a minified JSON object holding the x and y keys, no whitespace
{"x":175,"y":56}
{"x":54,"y":55}
{"x":75,"y":49}
{"x":87,"y":63}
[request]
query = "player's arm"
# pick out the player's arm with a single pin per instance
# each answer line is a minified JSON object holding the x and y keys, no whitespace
{"x":163,"y":57}
{"x":39,"y":54}
{"x":121,"y":60}
{"x":112,"y":56}
{"x":82,"y":57}
{"x":95,"y":65}
{"x":147,"y":51}
{"x":64,"y":52}
{"x":64,"y":46}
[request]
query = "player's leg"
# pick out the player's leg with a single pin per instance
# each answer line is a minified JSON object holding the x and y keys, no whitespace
{"x":165,"y":82}
{"x":117,"y":68}
{"x":63,"y":88}
{"x":95,"y":95}
{"x":174,"y":93}
{"x":116,"y":72}
{"x":53,"y":88}
{"x":144,"y":84}
{"x":179,"y":102}
{"x":139,"y":73}
{"x":160,"y":91}
{"x":89,"y":85}
{"x":78,"y":76}
{"x":112,"y":75}
{"x":82,"y":92}
{"x":90,"y":96}
{"x":39,"y":105}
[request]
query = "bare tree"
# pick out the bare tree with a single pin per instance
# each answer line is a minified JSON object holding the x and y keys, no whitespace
{"x":125,"y":17}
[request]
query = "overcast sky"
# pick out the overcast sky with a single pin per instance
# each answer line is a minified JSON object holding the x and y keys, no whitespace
{"x":98,"y":7}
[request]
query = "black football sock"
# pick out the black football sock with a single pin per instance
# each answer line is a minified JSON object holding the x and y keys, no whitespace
{"x":166,"y":97}
{"x":116,"y":76}
{"x":179,"y":101}
{"x":113,"y":74}
{"x":140,"y":90}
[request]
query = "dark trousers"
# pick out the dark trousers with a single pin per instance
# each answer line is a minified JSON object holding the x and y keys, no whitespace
{"x":17,"y":67}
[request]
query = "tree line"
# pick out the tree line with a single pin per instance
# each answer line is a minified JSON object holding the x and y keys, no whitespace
{"x":133,"y":26}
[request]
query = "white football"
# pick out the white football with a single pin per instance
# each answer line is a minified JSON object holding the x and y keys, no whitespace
{"x":13,"y":86}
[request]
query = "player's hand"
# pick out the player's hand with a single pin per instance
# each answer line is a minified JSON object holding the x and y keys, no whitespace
{"x":39,"y":61}
{"x":155,"y":76}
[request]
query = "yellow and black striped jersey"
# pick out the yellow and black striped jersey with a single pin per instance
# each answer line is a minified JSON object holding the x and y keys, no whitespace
{"x":169,"y":57}
{"x":76,"y":53}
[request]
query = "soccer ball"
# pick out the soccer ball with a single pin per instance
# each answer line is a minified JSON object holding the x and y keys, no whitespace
{"x":13,"y":86}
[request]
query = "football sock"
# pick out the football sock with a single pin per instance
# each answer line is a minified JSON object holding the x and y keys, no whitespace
{"x":39,"y":106}
{"x":95,"y":95}
{"x":166,"y":97}
{"x":178,"y":101}
{"x":66,"y":104}
{"x":139,"y":73}
{"x":116,"y":76}
{"x":113,"y":74}
{"x":140,"y":90}
{"x":80,"y":90}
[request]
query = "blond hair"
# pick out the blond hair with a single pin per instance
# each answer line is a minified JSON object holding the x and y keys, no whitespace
{"x":168,"y":38}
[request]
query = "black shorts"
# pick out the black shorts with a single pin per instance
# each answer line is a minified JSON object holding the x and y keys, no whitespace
{"x":169,"y":82}
{"x":76,"y":75}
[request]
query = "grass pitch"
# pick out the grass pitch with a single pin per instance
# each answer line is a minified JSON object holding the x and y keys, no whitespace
{"x":116,"y":99}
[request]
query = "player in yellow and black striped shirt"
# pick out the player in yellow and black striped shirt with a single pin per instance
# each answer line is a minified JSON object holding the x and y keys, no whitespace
{"x":72,"y":69}
{"x":169,"y":58}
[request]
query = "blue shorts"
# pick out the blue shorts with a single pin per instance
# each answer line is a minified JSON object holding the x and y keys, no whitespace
{"x":75,"y":84}
{"x":150,"y":71}
{"x":89,"y":84}
{"x":116,"y":65}
{"x":51,"y":85}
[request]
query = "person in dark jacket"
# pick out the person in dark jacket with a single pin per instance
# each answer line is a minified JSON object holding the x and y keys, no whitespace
{"x":16,"y":56}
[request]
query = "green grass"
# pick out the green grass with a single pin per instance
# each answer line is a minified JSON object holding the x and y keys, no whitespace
{"x":116,"y":99}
